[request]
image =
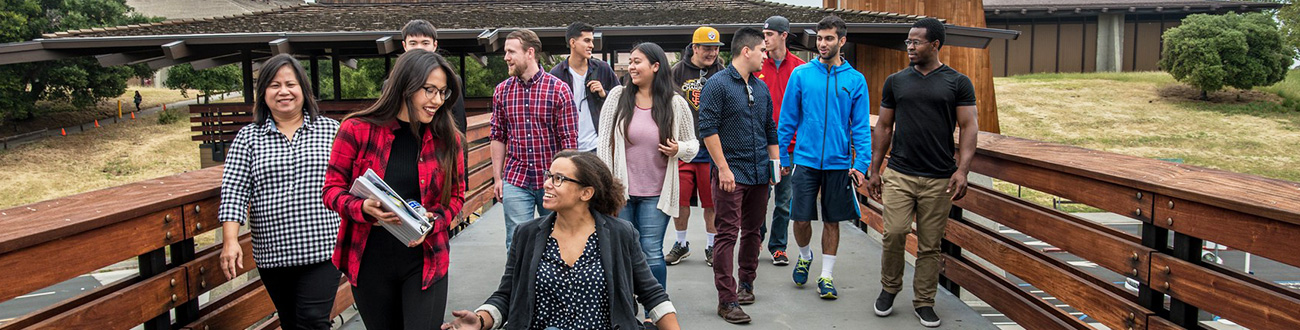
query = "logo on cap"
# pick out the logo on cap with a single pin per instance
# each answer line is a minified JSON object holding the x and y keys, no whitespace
{"x":713,"y":35}
{"x":765,"y":25}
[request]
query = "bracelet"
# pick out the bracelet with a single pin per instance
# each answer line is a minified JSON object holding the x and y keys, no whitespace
{"x":481,"y":324}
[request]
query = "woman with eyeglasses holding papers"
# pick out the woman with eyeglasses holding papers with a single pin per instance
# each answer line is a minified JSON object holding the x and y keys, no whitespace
{"x":579,"y":267}
{"x":408,"y":138}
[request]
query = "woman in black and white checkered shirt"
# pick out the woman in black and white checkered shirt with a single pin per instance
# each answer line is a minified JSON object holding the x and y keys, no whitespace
{"x":274,"y":175}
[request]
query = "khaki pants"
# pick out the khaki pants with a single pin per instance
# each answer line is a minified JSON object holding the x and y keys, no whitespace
{"x":906,"y":198}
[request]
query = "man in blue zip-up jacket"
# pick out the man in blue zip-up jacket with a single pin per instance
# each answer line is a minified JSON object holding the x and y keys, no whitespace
{"x":826,"y":103}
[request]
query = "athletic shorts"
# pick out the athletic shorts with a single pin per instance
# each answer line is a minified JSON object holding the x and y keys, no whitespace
{"x":839,"y":199}
{"x":695,"y":184}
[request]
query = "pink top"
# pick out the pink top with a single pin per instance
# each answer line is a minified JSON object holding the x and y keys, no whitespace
{"x":646,"y":166}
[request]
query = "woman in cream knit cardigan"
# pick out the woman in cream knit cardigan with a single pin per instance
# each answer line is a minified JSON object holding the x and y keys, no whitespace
{"x":645,"y":128}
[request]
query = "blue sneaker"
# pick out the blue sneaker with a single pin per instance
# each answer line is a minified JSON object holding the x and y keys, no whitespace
{"x":826,"y":288}
{"x":801,"y":271}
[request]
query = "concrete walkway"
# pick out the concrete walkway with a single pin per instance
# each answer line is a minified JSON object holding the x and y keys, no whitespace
{"x":478,"y":258}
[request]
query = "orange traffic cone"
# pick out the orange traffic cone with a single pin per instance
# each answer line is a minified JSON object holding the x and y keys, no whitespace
{"x":133,"y":115}
{"x":96,"y":123}
{"x":63,"y":132}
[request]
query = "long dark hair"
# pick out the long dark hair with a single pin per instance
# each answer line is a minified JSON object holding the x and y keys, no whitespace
{"x":662,"y":91}
{"x":609,"y":197}
{"x":407,"y":78}
{"x":260,"y":109}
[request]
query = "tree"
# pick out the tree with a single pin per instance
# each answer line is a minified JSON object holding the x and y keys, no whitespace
{"x":80,"y":81}
{"x":1235,"y":50}
{"x":222,"y":79}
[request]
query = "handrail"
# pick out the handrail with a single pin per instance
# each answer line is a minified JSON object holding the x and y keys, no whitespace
{"x":1249,"y":213}
{"x":56,"y":240}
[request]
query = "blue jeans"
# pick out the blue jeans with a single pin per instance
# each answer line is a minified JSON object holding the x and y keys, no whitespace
{"x":651,"y":223}
{"x":780,"y":217}
{"x":519,"y":204}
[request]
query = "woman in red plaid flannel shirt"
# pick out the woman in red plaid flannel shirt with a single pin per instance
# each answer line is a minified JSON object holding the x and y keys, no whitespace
{"x":408,"y":137}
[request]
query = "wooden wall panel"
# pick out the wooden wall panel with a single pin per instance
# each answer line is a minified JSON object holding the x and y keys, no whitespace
{"x":1018,"y":52}
{"x":998,"y":54}
{"x":1070,"y":57}
{"x":1044,"y":51}
{"x":1090,"y":47}
{"x":1148,"y":46}
{"x":1127,"y":61}
{"x":877,"y":62}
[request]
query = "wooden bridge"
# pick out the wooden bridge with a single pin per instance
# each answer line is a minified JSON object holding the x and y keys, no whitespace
{"x":154,"y":223}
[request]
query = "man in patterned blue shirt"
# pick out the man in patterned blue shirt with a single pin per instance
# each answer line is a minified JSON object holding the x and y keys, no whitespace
{"x":736,"y":125}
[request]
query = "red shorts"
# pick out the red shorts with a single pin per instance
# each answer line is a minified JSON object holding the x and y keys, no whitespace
{"x":695,"y":183}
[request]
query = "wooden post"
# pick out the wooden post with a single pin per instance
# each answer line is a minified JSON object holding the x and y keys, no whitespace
{"x":315,"y":76}
{"x":877,"y":63}
{"x":338,"y":77}
{"x":248,"y":76}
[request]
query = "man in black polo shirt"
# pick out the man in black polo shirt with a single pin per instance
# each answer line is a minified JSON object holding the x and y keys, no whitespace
{"x":921,"y":104}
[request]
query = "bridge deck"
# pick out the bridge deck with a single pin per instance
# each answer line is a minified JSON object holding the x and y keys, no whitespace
{"x":478,"y":257}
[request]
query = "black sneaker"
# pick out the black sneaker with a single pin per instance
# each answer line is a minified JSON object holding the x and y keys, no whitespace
{"x":678,"y":253}
{"x":885,"y":303}
{"x":928,"y":318}
{"x":779,"y":258}
{"x":708,"y":256}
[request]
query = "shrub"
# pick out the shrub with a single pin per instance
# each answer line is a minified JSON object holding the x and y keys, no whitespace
{"x":1210,"y":52}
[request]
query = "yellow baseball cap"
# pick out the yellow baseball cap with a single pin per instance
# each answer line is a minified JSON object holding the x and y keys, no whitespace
{"x":707,"y":36}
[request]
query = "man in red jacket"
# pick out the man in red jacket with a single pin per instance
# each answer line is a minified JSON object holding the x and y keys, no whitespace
{"x":776,"y":73}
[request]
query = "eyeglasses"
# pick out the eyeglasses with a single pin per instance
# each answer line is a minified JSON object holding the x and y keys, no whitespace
{"x":750,"y":90}
{"x":558,"y":180}
{"x":431,"y":92}
{"x":910,"y":42}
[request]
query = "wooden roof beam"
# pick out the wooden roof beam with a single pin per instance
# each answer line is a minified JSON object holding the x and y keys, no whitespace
{"x":129,"y":58}
{"x":490,"y":40}
{"x":176,"y":49}
{"x":385,"y":45}
{"x":280,"y":46}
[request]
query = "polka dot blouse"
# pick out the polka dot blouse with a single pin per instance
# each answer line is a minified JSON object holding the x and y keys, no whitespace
{"x":574,"y":297}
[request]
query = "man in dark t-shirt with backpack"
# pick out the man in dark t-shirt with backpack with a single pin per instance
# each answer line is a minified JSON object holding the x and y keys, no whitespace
{"x":921,"y":105}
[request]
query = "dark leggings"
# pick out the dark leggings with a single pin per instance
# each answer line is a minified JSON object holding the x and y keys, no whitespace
{"x":388,"y":291}
{"x":303,"y":295}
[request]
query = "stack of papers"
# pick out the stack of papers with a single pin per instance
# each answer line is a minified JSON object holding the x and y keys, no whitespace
{"x":414,"y":224}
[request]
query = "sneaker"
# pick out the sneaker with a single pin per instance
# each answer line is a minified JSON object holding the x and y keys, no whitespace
{"x":885,"y":303}
{"x":801,"y":271}
{"x":678,"y":253}
{"x":732,"y":313}
{"x":708,"y":256}
{"x":826,"y":288}
{"x":927,"y":316}
{"x":745,"y":295}
{"x":779,"y":258}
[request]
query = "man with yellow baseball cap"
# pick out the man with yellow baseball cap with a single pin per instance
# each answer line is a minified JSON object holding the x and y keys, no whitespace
{"x":699,"y":61}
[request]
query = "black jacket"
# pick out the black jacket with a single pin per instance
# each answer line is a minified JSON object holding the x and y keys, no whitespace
{"x":626,"y":272}
{"x":596,"y":70}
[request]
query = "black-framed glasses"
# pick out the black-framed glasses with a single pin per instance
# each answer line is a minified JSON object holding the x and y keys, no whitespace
{"x":558,"y":180}
{"x":431,"y":92}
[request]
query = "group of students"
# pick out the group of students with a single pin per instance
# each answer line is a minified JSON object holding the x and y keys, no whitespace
{"x":589,"y":170}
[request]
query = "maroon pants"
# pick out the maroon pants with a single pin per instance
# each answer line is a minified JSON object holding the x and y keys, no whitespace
{"x":739,"y":213}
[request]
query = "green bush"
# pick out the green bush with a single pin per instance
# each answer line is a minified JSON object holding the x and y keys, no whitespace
{"x":170,"y":116}
{"x":1210,"y":52}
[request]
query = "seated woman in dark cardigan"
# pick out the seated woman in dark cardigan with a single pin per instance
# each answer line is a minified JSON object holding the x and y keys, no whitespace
{"x":580,"y":267}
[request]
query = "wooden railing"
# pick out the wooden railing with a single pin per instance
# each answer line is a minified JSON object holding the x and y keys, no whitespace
{"x":1248,"y":213}
{"x":218,"y":122}
{"x":155,"y":222}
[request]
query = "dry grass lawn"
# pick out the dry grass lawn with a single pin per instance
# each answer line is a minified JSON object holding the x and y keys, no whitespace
{"x":1148,"y":114}
{"x":1143,"y":114}
{"x":100,"y":158}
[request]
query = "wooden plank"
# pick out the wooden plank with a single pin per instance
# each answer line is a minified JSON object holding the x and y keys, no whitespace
{"x":201,"y":217}
{"x":1025,"y":309}
{"x":342,"y":298}
{"x":127,"y":308}
{"x":1265,"y":237}
{"x":1072,"y":286}
{"x":1108,"y":248}
{"x":478,"y":155}
{"x":237,"y":310}
{"x":59,"y":260}
{"x":1111,"y":197}
{"x":25,"y":321}
{"x":1156,"y":323}
{"x":480,"y":197}
{"x":1249,"y":304}
{"x":270,"y":324}
{"x":44,"y":221}
{"x":480,"y":175}
{"x":204,"y":272}
{"x":1269,"y":198}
